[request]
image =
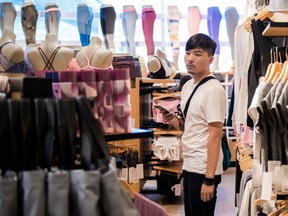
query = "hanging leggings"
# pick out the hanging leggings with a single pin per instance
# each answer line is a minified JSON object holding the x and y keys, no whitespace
{"x":52,"y":18}
{"x":148,"y":19}
{"x":232,"y":18}
{"x":213,"y":23}
{"x":107,"y":20}
{"x":29,"y":16}
{"x":129,"y":19}
{"x":7,"y":16}
{"x":84,"y":20}
{"x":193,"y":17}
{"x":174,"y":18}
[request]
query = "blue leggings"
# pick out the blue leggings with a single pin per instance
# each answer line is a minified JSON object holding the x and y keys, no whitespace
{"x":213,"y":23}
{"x":7,"y":16}
{"x":129,"y":25}
{"x":84,"y":20}
{"x":232,"y":18}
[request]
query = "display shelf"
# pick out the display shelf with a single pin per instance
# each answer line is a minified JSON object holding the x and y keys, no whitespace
{"x":136,"y":133}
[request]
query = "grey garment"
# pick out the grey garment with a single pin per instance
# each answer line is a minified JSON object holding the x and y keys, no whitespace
{"x":232,"y":18}
{"x":85,"y":192}
{"x":246,"y":176}
{"x":282,"y":102}
{"x":52,"y":19}
{"x":118,"y":204}
{"x":271,"y":149}
{"x":29,"y":17}
{"x":58,"y":185}
{"x":33,"y":189}
{"x":278,"y":136}
{"x":8,"y":194}
{"x":260,"y":123}
{"x":129,"y":19}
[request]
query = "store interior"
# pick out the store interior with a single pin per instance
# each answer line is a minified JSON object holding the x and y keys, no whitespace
{"x":80,"y":82}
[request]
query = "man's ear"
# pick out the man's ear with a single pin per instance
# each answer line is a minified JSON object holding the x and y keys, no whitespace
{"x":211,"y":59}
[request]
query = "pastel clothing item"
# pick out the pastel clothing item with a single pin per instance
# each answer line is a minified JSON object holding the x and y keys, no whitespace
{"x":147,"y":207}
{"x":232,"y":18}
{"x":7,"y":16}
{"x":84,"y":21}
{"x":88,"y":59}
{"x":213,"y":23}
{"x":148,"y":19}
{"x":129,"y":19}
{"x":121,"y":100}
{"x":194,"y":17}
{"x":207,"y":105}
{"x":167,"y":148}
{"x":278,"y":5}
{"x":174,"y":17}
{"x":29,"y":16}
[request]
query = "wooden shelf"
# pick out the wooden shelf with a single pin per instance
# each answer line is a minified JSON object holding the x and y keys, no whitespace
{"x":276,"y":29}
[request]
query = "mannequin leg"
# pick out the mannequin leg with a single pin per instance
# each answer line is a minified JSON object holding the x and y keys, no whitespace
{"x":29,"y":16}
{"x":84,"y":21}
{"x":129,"y":25}
{"x":213,"y":23}
{"x":107,"y":20}
{"x":8,"y":15}
{"x":194,"y":18}
{"x":232,"y":18}
{"x":148,"y":19}
{"x":52,"y":18}
{"x":174,"y":18}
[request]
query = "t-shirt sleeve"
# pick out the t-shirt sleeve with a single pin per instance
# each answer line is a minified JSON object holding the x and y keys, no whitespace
{"x":215,"y":104}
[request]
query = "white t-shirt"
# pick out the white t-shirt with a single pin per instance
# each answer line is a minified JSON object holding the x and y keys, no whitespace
{"x":207,"y":105}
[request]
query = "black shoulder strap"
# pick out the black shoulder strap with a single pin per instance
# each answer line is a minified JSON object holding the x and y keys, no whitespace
{"x":194,"y":90}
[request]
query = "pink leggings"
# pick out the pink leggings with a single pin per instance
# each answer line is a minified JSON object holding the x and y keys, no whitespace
{"x":148,"y":19}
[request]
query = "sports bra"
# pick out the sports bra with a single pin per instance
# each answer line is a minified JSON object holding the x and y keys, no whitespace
{"x":166,"y":151}
{"x":159,"y":74}
{"x":48,"y":61}
{"x":88,"y":66}
{"x":12,"y":67}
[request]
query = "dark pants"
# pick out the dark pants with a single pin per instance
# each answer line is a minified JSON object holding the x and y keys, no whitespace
{"x":192,"y":200}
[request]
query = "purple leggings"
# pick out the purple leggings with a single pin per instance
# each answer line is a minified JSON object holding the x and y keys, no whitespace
{"x":148,"y":19}
{"x":213,"y":23}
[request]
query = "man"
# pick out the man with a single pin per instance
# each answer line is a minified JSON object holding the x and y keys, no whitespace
{"x":202,"y":129}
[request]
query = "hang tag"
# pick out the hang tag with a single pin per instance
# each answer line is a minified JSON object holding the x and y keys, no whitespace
{"x":131,"y":175}
{"x":135,"y":175}
{"x":177,"y":189}
{"x":124,"y":174}
{"x":140,"y":171}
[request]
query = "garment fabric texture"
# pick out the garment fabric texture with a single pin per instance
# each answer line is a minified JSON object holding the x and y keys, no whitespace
{"x":52,"y":18}
{"x":29,"y":17}
{"x":232,"y":18}
{"x":148,"y":19}
{"x":173,"y":19}
{"x":129,"y":19}
{"x":7,"y":16}
{"x":194,"y":18}
{"x":192,"y":187}
{"x":107,"y":21}
{"x":213,"y":23}
{"x":147,"y":207}
{"x":84,"y":21}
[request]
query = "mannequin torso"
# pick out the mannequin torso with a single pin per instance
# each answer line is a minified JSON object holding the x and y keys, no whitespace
{"x":99,"y":57}
{"x":159,"y":64}
{"x":12,"y":52}
{"x":62,"y":58}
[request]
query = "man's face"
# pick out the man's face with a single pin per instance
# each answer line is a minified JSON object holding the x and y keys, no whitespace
{"x":197,"y":61}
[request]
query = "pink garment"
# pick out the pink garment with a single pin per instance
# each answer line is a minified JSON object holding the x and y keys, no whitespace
{"x":147,"y":207}
{"x":245,"y":136}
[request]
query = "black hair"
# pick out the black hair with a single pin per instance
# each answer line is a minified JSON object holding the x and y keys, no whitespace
{"x":202,"y":41}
